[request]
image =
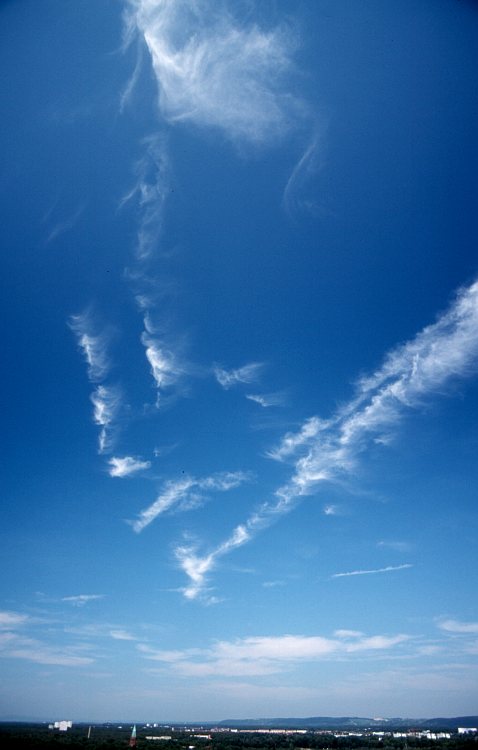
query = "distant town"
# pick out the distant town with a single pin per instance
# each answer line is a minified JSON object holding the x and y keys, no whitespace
{"x":319,"y":733}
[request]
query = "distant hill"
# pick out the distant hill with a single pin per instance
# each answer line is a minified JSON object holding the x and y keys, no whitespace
{"x":351,"y":722}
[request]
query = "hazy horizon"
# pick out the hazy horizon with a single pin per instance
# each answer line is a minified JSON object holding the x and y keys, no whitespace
{"x":240,"y":393}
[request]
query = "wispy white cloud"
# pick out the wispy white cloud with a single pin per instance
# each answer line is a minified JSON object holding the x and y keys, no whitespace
{"x":395,"y":545}
{"x":292,"y":441}
{"x":331,"y":510}
{"x":127,"y":465}
{"x":107,"y":402}
{"x":122,"y":635}
{"x":345,"y":633}
{"x":413,"y":372}
{"x":127,"y":92}
{"x":207,"y":63}
{"x":261,"y":655}
{"x":266,"y":399}
{"x":307,"y":166}
{"x":455,"y":626}
{"x":325,"y":450}
{"x":245,"y":374}
{"x":41,"y":654}
{"x":79,"y":600}
{"x":150,"y":191}
{"x":387,"y":569}
{"x":197,"y":568}
{"x":179,"y":493}
{"x":65,"y":225}
{"x":10,"y":619}
{"x":106,"y":399}
{"x":165,"y":367}
{"x":93,"y":345}
{"x":15,"y":643}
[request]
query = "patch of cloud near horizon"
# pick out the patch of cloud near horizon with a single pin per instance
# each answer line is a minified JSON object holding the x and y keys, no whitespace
{"x":262,"y":655}
{"x":208,"y":63}
{"x":325,"y":450}
{"x":19,"y":645}
{"x":126,"y":466}
{"x":455,"y":626}
{"x":182,"y":494}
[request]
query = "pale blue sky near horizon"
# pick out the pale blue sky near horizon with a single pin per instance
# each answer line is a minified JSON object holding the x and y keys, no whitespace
{"x":240,"y":319}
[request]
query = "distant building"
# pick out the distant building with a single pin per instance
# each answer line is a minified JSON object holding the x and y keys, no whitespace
{"x":159,"y":737}
{"x":63,"y":726}
{"x":467,"y":730}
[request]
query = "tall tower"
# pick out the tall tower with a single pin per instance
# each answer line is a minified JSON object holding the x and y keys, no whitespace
{"x":132,"y":739}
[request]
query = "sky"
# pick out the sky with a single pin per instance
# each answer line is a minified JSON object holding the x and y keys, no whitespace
{"x":240,"y":357}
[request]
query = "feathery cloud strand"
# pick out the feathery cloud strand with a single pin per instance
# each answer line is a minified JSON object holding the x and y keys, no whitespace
{"x":126,"y":466}
{"x":179,"y":494}
{"x":323,"y":450}
{"x":214,"y":70}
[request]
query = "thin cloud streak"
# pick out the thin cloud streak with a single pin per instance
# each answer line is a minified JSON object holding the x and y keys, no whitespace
{"x":328,"y":449}
{"x":10,"y":619}
{"x":207,"y":63}
{"x":455,"y":626}
{"x":127,"y":92}
{"x":106,"y":402}
{"x":126,"y":466}
{"x":387,"y":569}
{"x":306,"y":167}
{"x":93,"y":345}
{"x":179,"y":494}
{"x":81,"y":599}
{"x":165,"y":368}
{"x":245,"y":374}
{"x":151,"y":190}
{"x":64,"y":226}
{"x":266,"y":399}
{"x":291,"y":442}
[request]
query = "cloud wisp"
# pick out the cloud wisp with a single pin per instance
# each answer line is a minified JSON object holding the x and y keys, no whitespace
{"x":164,"y":363}
{"x":387,"y":569}
{"x":93,"y":344}
{"x":266,"y":399}
{"x":455,"y":626}
{"x":106,"y":399}
{"x":126,"y":466}
{"x":106,"y":402}
{"x":79,"y":600}
{"x":150,"y":191}
{"x":183,"y":494}
{"x":16,"y":643}
{"x":326,"y":450}
{"x":307,"y":166}
{"x":65,"y":225}
{"x":263,"y":655}
{"x":10,"y":619}
{"x":207,"y":63}
{"x":242,"y":375}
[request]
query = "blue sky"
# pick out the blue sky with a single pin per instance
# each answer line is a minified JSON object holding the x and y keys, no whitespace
{"x":240,"y":306}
